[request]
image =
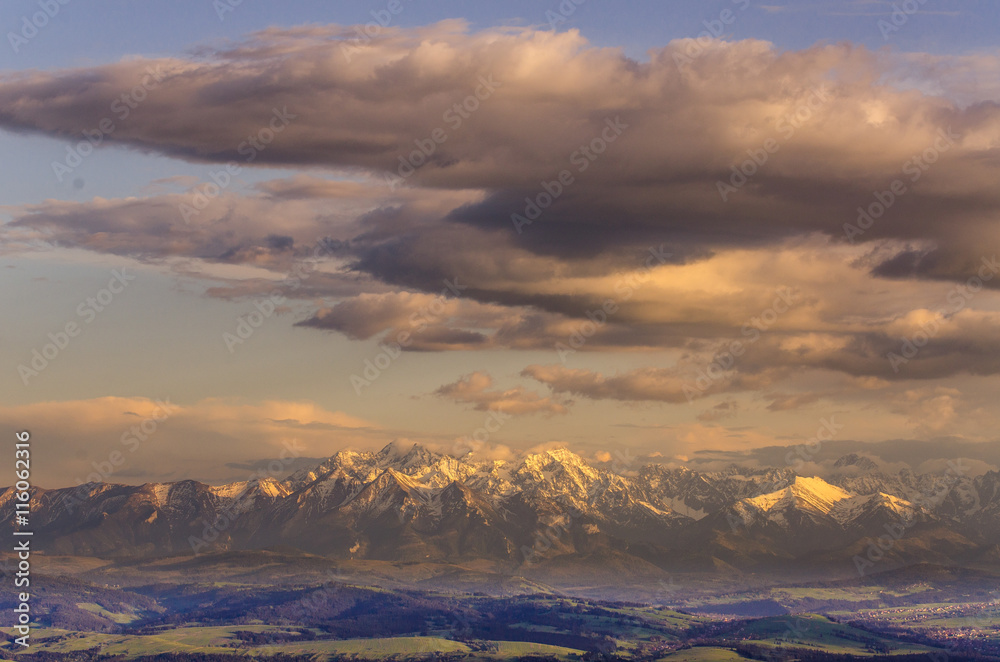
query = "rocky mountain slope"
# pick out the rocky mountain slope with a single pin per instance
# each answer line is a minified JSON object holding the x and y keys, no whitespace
{"x":411,"y":504}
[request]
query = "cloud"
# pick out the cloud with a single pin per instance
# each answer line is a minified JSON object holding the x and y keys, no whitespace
{"x":553,"y":95}
{"x":475,"y":388}
{"x":661,"y":241}
{"x":415,"y":321}
{"x":790,"y":401}
{"x":830,"y":312}
{"x":644,"y":384}
{"x":723,"y":410}
{"x":918,"y":455}
{"x":136,"y":439}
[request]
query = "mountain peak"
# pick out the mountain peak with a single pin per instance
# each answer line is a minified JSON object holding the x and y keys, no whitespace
{"x":395,"y":449}
{"x":496,"y":505}
{"x":561,"y":455}
{"x":403,"y":455}
{"x":805,"y":493}
{"x":565,"y":455}
{"x":855,"y":460}
{"x":817,"y":486}
{"x":557,"y":461}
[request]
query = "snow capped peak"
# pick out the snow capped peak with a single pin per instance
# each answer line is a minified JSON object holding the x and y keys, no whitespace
{"x":892,"y":500}
{"x":565,"y":455}
{"x":417,"y":455}
{"x":557,"y":458}
{"x":339,"y":463}
{"x":268,"y":487}
{"x":484,"y":503}
{"x":813,"y":494}
{"x":856,"y":508}
{"x":404,"y":481}
{"x":555,"y":471}
{"x":856,"y":461}
{"x":271,"y":487}
{"x":818,"y":490}
{"x":160,"y":492}
{"x":400,"y":452}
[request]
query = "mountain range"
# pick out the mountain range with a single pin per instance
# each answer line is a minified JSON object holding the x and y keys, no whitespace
{"x":543,"y":509}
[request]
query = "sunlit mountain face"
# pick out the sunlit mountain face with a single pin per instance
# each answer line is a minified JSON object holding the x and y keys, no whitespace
{"x":409,"y":504}
{"x":664,"y":332}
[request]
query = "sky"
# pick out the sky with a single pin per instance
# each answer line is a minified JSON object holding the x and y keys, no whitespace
{"x":690,"y":231}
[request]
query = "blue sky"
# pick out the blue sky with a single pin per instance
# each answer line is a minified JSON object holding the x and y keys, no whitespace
{"x":85,"y":34}
{"x":88,"y":33}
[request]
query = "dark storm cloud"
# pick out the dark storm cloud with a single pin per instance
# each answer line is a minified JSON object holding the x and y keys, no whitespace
{"x":648,"y":148}
{"x":742,"y":172}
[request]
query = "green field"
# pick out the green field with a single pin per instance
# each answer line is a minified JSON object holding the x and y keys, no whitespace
{"x":922,"y":615}
{"x":179,"y":640}
{"x":378,"y":648}
{"x":214,"y":640}
{"x":183,"y":639}
{"x":418,"y":624}
{"x":95,"y":608}
{"x":373,"y":648}
{"x":521,"y":648}
{"x":704,"y":654}
{"x":821,"y":634}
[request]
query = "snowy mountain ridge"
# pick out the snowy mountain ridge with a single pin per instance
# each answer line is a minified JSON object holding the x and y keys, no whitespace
{"x":411,"y":502}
